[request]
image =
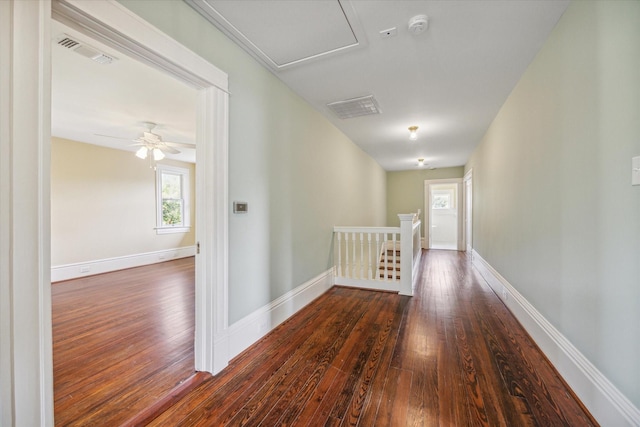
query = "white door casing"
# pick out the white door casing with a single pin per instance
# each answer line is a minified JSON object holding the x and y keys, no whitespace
{"x":26,"y":373}
{"x":468,"y":210}
{"x":116,"y":26}
{"x":26,"y":370}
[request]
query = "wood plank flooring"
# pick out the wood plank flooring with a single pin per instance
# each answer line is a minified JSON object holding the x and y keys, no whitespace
{"x":450,"y":356}
{"x":121,"y":341}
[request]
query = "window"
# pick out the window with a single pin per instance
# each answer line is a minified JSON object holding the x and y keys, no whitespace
{"x":441,"y":201}
{"x":172,"y":200}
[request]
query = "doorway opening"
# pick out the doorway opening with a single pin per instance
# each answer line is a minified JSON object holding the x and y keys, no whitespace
{"x":119,"y":28}
{"x":443,"y":211}
{"x":130,"y":318}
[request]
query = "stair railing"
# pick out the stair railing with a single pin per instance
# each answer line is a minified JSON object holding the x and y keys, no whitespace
{"x":380,"y":258}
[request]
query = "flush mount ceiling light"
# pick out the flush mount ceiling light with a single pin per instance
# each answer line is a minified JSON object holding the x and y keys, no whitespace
{"x":413,"y":133}
{"x":420,"y":162}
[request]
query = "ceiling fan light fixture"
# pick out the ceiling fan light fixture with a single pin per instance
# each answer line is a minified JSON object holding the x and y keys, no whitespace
{"x":157,"y":154}
{"x":142,"y":153}
{"x":413,"y":133}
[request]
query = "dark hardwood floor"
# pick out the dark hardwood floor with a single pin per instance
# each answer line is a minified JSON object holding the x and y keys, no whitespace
{"x":452,"y":355}
{"x":121,"y":341}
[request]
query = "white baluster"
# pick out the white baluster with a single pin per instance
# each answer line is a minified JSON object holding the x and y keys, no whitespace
{"x":370,"y":264}
{"x":361,"y":255}
{"x":339,"y":254}
{"x":353,"y":267}
{"x":393,"y":275}
{"x":346,"y":253}
{"x":377,"y":256}
{"x":386,"y":256}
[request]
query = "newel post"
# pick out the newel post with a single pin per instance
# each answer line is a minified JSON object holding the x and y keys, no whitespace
{"x":406,"y":254}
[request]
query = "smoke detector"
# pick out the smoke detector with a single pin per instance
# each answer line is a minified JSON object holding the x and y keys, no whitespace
{"x":418,"y":24}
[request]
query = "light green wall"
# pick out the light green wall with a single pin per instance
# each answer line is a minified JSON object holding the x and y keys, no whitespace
{"x":405,"y":190}
{"x":103,"y":204}
{"x":554,"y":209}
{"x":298,"y":173}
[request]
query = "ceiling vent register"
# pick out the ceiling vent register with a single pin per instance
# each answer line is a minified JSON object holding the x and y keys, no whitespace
{"x":355,"y":107}
{"x":85,"y":50}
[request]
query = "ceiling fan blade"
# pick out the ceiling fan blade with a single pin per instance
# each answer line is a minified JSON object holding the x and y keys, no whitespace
{"x":180,"y":144}
{"x":165,"y":147}
{"x":152,"y":140}
{"x":111,"y":136}
{"x":151,"y":137}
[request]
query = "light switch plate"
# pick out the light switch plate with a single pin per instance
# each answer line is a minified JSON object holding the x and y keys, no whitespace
{"x":635,"y":171}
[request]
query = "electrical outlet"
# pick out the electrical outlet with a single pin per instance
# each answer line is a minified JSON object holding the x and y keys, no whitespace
{"x":505,"y":294}
{"x":84,"y":269}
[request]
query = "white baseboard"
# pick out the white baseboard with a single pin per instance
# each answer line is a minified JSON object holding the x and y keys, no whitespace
{"x":605,"y":402}
{"x":89,"y":268}
{"x":251,"y":328}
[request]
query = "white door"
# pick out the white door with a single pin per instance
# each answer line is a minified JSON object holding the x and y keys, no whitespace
{"x":444,"y":216}
{"x":443,"y":212}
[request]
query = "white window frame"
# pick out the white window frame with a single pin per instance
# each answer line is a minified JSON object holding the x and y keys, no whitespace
{"x":185,"y":227}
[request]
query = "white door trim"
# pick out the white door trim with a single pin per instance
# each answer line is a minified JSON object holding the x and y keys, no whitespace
{"x":467,"y":189}
{"x":26,"y":364}
{"x":115,"y":25}
{"x":427,"y":210}
{"x":26,"y":368}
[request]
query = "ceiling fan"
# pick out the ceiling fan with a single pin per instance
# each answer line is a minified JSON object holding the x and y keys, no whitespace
{"x":150,"y":142}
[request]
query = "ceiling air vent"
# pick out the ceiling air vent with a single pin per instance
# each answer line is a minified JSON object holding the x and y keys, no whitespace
{"x":355,"y":107}
{"x":87,"y":51}
{"x":66,"y":41}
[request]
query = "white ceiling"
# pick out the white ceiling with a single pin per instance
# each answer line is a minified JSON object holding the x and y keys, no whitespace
{"x":450,"y":81}
{"x":90,"y":99}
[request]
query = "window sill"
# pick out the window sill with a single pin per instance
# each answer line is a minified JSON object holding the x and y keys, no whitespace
{"x":170,"y":230}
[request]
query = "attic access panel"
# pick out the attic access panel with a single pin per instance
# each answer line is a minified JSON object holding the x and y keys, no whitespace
{"x":282,"y":33}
